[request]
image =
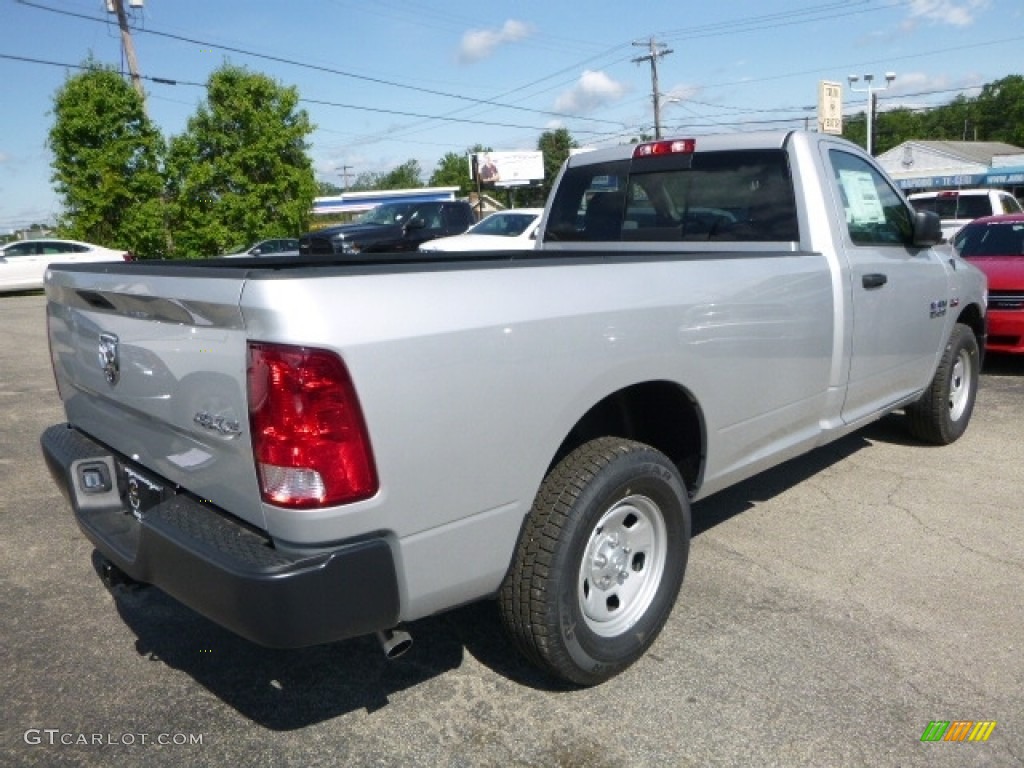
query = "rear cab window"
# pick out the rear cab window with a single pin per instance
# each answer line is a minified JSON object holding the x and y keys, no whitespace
{"x":723,"y":196}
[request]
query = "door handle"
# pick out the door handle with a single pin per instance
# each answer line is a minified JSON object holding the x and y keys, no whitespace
{"x":875,"y":280}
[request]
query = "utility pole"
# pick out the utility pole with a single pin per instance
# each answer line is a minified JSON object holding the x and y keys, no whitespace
{"x":655,"y":51}
{"x":117,"y":6}
{"x":344,"y":175}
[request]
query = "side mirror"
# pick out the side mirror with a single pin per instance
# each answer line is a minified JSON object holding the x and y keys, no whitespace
{"x":416,"y":223}
{"x":927,"y":229}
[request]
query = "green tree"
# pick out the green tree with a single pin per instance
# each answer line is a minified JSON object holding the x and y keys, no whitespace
{"x":106,"y":163}
{"x":408,"y":175}
{"x":996,"y":114}
{"x":366,"y":181}
{"x":999,"y":111}
{"x":240,"y":171}
{"x":452,"y":170}
{"x":327,"y":189}
{"x":556,"y":146}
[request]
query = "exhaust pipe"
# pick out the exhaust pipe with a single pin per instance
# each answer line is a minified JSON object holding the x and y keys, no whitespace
{"x":113,"y":577}
{"x":394,"y":642}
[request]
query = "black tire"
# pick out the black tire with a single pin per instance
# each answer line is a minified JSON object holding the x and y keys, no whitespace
{"x":942,"y":414}
{"x":600,"y":561}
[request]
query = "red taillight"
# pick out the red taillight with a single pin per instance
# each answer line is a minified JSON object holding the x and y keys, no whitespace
{"x":128,"y":256}
{"x":310,"y":442}
{"x":948,"y":194}
{"x":669,"y":147}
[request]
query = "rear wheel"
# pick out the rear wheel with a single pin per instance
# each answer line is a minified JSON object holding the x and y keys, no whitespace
{"x":600,"y":561}
{"x":942,"y":414}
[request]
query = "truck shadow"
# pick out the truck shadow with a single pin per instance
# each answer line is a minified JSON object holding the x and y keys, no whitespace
{"x":290,"y":689}
{"x":284,"y":690}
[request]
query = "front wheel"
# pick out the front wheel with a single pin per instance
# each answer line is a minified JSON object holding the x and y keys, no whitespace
{"x":600,"y":562}
{"x":944,"y":410}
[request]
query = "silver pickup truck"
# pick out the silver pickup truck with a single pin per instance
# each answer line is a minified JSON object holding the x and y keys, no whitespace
{"x":307,"y":450}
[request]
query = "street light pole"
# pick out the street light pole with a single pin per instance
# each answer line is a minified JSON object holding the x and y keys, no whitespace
{"x":870,"y":91}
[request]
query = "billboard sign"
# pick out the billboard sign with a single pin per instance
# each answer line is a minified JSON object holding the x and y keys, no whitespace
{"x":508,"y":168}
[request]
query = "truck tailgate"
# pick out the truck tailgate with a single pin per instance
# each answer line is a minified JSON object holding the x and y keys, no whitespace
{"x":156,"y":366}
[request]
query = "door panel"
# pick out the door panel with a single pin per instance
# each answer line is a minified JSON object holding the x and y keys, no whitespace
{"x":898,"y":291}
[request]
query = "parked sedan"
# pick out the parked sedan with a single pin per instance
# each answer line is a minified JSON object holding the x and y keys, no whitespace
{"x":995,"y":244}
{"x":511,"y":230}
{"x":23,"y":263}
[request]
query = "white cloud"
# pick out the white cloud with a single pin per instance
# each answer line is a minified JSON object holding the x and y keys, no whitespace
{"x":591,"y":91}
{"x":957,"y":14}
{"x":478,"y":44}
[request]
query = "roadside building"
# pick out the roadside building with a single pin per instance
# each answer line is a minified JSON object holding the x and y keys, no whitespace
{"x":920,"y":166}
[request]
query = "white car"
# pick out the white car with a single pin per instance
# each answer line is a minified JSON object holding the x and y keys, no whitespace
{"x":23,"y":262}
{"x":511,"y":230}
{"x":957,"y":207}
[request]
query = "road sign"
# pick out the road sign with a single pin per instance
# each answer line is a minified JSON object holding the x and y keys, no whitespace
{"x":830,"y":108}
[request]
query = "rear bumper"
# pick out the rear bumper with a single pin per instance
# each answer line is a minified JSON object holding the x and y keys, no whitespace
{"x":220,"y":567}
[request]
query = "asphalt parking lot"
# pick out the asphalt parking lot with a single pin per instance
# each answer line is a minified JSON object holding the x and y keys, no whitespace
{"x":833,"y":608}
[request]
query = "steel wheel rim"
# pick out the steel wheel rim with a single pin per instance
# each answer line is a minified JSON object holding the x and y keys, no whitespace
{"x":960,"y":385}
{"x":623,"y":566}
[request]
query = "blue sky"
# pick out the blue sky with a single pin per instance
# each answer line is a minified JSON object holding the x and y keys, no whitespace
{"x":386,"y":81}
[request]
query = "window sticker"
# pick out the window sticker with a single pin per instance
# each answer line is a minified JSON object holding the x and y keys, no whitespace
{"x":863,"y":203}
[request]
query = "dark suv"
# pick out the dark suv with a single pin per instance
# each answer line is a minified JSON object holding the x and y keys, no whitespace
{"x":390,"y":227}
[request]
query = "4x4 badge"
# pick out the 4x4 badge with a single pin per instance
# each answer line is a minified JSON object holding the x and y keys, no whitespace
{"x":108,"y":357}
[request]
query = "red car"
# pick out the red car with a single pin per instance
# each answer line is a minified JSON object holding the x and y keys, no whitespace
{"x":995,"y":244}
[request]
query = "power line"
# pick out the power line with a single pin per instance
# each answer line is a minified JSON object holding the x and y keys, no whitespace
{"x":816,"y":13}
{"x":321,"y":68}
{"x":319,"y":102}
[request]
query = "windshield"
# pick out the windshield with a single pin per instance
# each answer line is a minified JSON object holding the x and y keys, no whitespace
{"x":504,"y":224}
{"x":1005,"y":239}
{"x":388,"y":213}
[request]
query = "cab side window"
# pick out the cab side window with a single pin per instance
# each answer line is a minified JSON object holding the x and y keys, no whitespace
{"x":875,"y":213}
